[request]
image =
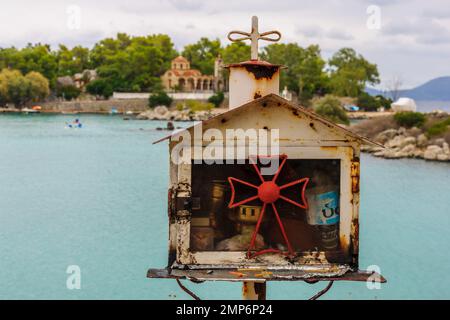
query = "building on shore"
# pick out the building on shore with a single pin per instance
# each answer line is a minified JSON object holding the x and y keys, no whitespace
{"x":79,"y":80}
{"x":180,"y":77}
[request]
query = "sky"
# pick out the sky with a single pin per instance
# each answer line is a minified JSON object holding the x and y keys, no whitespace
{"x":408,"y":40}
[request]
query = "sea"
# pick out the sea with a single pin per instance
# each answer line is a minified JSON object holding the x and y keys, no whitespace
{"x":95,"y":199}
{"x":428,"y":106}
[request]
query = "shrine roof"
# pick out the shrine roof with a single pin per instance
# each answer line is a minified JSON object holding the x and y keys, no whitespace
{"x":282,"y":103}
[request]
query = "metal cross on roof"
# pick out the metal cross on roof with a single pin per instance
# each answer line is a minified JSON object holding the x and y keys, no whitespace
{"x":254,"y":37}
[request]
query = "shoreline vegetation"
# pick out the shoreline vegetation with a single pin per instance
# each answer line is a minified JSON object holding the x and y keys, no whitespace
{"x":408,"y":135}
{"x":135,"y":64}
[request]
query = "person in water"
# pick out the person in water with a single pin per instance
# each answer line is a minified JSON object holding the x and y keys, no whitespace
{"x":75,"y":124}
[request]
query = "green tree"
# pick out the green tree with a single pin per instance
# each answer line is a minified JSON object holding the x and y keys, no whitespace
{"x":38,"y":86}
{"x":109,"y":47}
{"x":330,"y":107}
{"x":367,"y":102}
{"x":305,"y":68}
{"x":71,"y":61}
{"x":37,"y":57}
{"x":384,"y":102}
{"x":6,"y":76}
{"x":202,"y":54}
{"x":100,"y":87}
{"x":159,"y":99}
{"x":133,"y":63}
{"x":217,"y":99}
{"x":19,"y":89}
{"x":350,"y":73}
{"x":68,"y":92}
{"x":236,"y":52}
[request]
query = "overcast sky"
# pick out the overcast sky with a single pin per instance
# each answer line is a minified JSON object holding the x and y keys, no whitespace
{"x":412,"y":41}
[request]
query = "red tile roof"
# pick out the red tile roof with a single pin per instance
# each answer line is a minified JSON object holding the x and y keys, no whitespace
{"x":180,"y":59}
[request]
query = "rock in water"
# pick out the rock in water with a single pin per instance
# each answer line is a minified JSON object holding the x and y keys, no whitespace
{"x":432,"y":152}
{"x":161,"y":110}
{"x":422,"y":140}
{"x":446,"y":148}
{"x":386,"y":135}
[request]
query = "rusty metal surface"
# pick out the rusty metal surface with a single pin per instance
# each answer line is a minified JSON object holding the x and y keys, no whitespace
{"x":251,"y":80}
{"x":258,"y":70}
{"x":254,"y":290}
{"x":255,"y":63}
{"x":355,"y":176}
{"x":305,"y":136}
{"x":259,"y":275}
{"x":302,"y":134}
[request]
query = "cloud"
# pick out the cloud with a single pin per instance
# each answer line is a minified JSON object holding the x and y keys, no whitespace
{"x":317,"y":32}
{"x":339,"y":35}
{"x":190,"y":26}
{"x":187,"y":5}
{"x":414,"y":40}
{"x":421,"y":30}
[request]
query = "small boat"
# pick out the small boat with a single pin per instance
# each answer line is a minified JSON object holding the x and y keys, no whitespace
{"x":28,"y":110}
{"x":351,"y":108}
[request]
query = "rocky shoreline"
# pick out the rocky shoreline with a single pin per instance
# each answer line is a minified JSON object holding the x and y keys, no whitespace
{"x":398,"y":143}
{"x":163,"y":113}
{"x":408,"y":143}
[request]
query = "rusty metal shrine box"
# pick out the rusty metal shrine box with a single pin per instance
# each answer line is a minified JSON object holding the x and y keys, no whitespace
{"x":235,"y":203}
{"x":268,"y":187}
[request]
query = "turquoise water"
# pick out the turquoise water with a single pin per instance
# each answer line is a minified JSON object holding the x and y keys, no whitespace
{"x":96,"y":198}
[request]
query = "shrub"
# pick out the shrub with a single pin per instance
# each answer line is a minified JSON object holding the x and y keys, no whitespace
{"x":19,"y":89}
{"x":159,"y":99}
{"x":39,"y":86}
{"x":384,"y":102}
{"x":367,"y":103}
{"x":217,"y":99}
{"x":195,"y":105}
{"x":409,"y":119}
{"x":100,"y":87}
{"x":68,"y":92}
{"x":330,"y":108}
{"x":439,"y":128}
{"x":372,"y":127}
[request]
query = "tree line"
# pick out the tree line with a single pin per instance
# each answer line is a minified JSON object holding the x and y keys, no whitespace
{"x":135,"y":63}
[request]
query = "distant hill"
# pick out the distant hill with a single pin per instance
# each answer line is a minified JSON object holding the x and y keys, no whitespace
{"x":437,"y":89}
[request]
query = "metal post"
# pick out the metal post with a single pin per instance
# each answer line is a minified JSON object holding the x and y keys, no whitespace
{"x":253,"y":290}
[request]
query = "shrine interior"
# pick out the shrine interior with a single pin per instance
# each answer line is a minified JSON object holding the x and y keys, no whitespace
{"x":216,"y":227}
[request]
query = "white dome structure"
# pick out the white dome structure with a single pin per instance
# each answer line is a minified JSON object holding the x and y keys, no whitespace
{"x":404,"y":104}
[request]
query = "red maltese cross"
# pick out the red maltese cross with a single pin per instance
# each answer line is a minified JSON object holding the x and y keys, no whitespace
{"x":268,"y":193}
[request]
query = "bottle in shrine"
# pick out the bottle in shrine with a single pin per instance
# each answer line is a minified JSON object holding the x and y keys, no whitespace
{"x":323,"y":209}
